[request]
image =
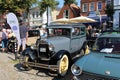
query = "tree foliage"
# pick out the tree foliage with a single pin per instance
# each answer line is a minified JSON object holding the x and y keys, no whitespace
{"x":44,"y":4}
{"x":70,"y":2}
{"x":16,"y":5}
{"x":109,"y":10}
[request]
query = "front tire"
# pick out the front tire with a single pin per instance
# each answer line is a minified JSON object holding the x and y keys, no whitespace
{"x":25,"y":64}
{"x":63,"y":64}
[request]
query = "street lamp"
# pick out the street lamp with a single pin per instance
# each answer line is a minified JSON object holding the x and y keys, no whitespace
{"x":98,"y":14}
{"x":100,"y":18}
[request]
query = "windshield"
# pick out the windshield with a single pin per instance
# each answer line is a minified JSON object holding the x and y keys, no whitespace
{"x":58,"y":32}
{"x":108,"y":45}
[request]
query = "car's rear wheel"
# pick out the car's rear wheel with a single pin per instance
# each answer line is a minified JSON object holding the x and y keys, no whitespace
{"x":82,"y":52}
{"x":63,"y":64}
{"x":25,"y":63}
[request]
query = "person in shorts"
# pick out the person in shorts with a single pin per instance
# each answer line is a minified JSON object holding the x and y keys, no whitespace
{"x":23,"y":35}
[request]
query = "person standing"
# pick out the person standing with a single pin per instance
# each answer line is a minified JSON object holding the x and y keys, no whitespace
{"x":23,"y":35}
{"x":4,"y":40}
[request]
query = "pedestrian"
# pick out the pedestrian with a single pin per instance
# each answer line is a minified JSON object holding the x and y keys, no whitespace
{"x":89,"y":32}
{"x":4,"y":40}
{"x":23,"y":35}
{"x":0,"y":34}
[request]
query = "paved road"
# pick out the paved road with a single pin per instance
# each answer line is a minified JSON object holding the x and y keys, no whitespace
{"x":11,"y":70}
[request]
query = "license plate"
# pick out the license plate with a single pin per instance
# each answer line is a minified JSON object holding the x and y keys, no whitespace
{"x":42,"y":49}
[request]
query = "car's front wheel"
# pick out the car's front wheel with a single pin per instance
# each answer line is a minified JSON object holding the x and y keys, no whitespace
{"x":25,"y":64}
{"x":63,"y":64}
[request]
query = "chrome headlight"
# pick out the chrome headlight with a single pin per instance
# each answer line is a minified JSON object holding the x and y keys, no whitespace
{"x":76,"y":70}
{"x":51,"y":47}
{"x":33,"y":46}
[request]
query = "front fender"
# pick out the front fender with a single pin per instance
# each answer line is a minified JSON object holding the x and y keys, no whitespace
{"x":58,"y":56}
{"x":30,"y":52}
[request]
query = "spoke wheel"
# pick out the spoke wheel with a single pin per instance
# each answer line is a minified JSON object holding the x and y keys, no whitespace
{"x":63,"y":64}
{"x":25,"y":64}
{"x":11,"y":47}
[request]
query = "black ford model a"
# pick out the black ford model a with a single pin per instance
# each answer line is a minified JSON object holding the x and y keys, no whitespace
{"x":57,"y":50}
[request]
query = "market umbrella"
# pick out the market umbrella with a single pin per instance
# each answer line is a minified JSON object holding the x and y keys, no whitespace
{"x":62,"y":20}
{"x":82,"y":19}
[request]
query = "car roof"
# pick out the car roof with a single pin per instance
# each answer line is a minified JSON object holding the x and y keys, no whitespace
{"x":110,"y":34}
{"x":66,"y":25}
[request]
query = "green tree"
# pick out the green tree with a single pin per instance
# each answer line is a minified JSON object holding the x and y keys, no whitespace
{"x":16,"y":5}
{"x":70,"y":2}
{"x":109,"y":11}
{"x":44,"y":4}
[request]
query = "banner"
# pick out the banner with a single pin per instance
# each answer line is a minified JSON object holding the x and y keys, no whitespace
{"x":13,"y":23}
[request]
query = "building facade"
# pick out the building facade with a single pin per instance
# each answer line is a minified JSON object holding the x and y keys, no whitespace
{"x":69,"y":11}
{"x":37,"y":20}
{"x":94,"y":9}
{"x":97,"y":6}
{"x":116,"y":16}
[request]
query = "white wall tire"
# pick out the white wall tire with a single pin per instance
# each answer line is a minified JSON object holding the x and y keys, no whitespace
{"x":63,"y":64}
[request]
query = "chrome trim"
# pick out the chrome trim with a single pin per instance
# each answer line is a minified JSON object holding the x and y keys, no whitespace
{"x":40,"y":65}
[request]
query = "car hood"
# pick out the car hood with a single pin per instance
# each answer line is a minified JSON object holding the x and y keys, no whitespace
{"x":101,"y":63}
{"x":59,"y":43}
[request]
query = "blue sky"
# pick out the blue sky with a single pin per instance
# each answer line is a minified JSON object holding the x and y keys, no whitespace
{"x":62,"y":1}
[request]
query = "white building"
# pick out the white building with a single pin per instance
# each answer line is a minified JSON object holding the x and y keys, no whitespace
{"x":116,"y":16}
{"x":37,"y":20}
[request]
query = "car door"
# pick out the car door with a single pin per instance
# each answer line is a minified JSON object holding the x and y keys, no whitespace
{"x":77,"y":39}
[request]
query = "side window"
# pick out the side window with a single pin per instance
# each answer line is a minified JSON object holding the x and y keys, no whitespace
{"x":33,"y":33}
{"x":76,"y":31}
{"x":82,"y":31}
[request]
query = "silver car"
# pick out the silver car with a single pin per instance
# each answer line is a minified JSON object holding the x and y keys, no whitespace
{"x":57,"y":50}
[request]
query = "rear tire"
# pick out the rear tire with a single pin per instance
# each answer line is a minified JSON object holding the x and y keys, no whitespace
{"x":82,"y":52}
{"x":63,"y":64}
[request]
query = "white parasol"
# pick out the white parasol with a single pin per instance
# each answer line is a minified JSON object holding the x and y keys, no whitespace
{"x":82,"y":19}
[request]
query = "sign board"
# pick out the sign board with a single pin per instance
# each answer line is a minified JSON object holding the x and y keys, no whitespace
{"x":13,"y":23}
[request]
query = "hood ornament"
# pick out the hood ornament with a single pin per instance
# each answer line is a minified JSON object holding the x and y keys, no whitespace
{"x":107,"y":72}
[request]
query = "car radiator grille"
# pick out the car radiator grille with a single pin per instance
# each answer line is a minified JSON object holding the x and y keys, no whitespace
{"x":44,"y":51}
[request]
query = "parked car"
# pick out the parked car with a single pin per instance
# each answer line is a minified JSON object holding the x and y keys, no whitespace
{"x":103,"y":60}
{"x":33,"y":35}
{"x":56,"y":51}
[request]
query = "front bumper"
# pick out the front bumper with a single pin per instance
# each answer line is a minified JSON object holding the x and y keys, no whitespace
{"x":88,"y":76}
{"x":40,"y":65}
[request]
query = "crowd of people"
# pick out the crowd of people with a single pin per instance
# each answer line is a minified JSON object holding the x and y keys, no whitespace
{"x":91,"y":34}
{"x":6,"y":33}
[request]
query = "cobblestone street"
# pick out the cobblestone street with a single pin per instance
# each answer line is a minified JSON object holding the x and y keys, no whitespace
{"x":10,"y":70}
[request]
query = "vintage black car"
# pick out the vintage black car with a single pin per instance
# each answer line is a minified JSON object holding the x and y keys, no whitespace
{"x":33,"y":35}
{"x":57,"y":50}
